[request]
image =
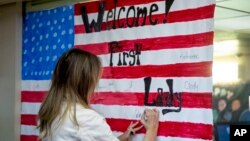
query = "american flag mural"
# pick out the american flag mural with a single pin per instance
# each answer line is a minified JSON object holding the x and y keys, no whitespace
{"x":155,"y":54}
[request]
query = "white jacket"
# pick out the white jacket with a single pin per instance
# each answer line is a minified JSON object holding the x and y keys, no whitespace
{"x":92,"y":127}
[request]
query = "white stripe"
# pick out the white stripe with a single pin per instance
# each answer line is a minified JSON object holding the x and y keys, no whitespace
{"x":160,"y":30}
{"x":180,"y":84}
{"x":178,"y":5}
{"x":199,"y":115}
{"x":35,"y":85}
{"x":30,"y":108}
{"x":163,"y":56}
{"x":30,"y":130}
{"x":139,"y":137}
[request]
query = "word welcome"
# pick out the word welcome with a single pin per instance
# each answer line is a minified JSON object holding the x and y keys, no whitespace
{"x":114,"y":15}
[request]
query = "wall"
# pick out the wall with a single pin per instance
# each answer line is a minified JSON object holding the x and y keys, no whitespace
{"x":240,"y":55}
{"x":244,"y":58}
{"x":10,"y":70}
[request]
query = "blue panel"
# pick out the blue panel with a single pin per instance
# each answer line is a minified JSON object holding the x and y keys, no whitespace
{"x":46,"y":35}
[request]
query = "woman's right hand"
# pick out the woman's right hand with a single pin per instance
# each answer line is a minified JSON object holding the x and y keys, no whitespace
{"x":150,"y":119}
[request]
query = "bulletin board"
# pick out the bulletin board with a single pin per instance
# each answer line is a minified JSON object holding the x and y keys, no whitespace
{"x":154,"y":53}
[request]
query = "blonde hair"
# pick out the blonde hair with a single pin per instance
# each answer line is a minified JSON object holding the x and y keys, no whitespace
{"x":74,"y":79}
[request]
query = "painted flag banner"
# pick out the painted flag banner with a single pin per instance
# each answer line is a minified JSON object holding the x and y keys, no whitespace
{"x":155,"y":54}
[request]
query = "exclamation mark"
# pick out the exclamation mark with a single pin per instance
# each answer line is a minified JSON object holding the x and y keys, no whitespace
{"x":168,"y":4}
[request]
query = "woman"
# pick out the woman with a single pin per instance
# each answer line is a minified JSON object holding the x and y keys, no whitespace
{"x":66,"y":115}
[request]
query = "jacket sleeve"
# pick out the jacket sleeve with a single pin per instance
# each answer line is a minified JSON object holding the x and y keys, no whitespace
{"x":93,"y":127}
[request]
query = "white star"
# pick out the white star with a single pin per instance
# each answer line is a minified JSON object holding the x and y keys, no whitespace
{"x":62,"y":20}
{"x":70,"y":31}
{"x":47,"y":47}
{"x":48,"y":23}
{"x":64,"y":9}
{"x":40,"y":59}
{"x":69,"y":45}
{"x":25,"y":41}
{"x":47,"y":58}
{"x":33,"y":38}
{"x":62,"y":46}
{"x":55,"y":34}
{"x":25,"y":64}
{"x":40,"y":25}
{"x":63,"y":32}
{"x":33,"y":61}
{"x":41,"y":37}
{"x":54,"y":58}
{"x":33,"y":26}
{"x":40,"y":48}
{"x":70,"y":17}
{"x":54,"y":47}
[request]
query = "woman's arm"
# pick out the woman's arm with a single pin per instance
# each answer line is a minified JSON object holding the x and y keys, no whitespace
{"x":150,"y":120}
{"x":130,"y":131}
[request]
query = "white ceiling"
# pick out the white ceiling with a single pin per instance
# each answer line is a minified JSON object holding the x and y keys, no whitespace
{"x":232,"y":20}
{"x":232,"y":15}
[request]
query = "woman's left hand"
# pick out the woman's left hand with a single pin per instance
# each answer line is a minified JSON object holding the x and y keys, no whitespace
{"x":131,"y":130}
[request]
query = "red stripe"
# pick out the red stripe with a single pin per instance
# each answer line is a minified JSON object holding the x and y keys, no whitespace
{"x":202,"y":100}
{"x":191,"y":14}
{"x":33,"y":96}
{"x":29,"y":138}
{"x":174,"y":129}
{"x":29,"y":119}
{"x":92,"y":7}
{"x":176,"y":16}
{"x":202,"y":69}
{"x":182,"y":41}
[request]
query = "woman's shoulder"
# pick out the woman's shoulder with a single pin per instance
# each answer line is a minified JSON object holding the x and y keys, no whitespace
{"x":92,"y":126}
{"x":87,"y":115}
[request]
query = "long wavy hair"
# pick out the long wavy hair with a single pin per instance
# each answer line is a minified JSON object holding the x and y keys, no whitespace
{"x":74,"y":79}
